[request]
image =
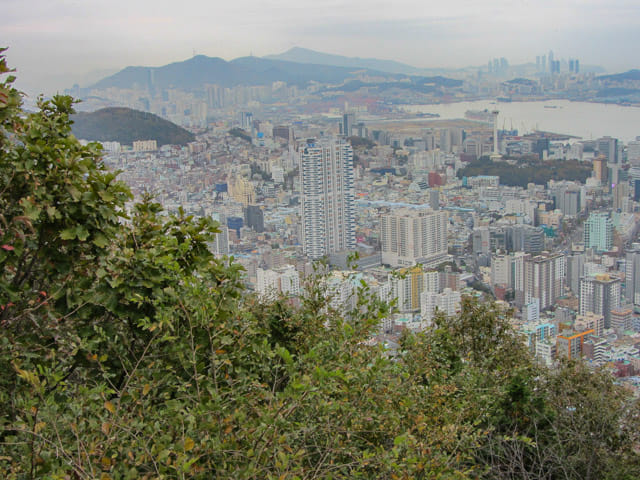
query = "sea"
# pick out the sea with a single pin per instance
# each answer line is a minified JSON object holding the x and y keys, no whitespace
{"x":586,"y":120}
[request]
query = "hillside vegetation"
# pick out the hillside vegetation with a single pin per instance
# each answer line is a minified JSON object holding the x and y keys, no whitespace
{"x":633,"y":75}
{"x":127,"y":351}
{"x":126,"y":125}
{"x":528,"y":171}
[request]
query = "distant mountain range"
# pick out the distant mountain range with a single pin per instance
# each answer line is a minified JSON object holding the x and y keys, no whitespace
{"x":125,"y":125}
{"x":304,"y":55}
{"x":297,"y":66}
{"x":619,"y":77}
{"x":200,"y":70}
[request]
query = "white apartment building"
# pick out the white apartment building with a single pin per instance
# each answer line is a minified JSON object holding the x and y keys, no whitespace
{"x":271,"y":283}
{"x":411,"y":236}
{"x":145,"y":146}
{"x":590,"y":321}
{"x":220,"y":244}
{"x":531,"y":311}
{"x":447,"y":302}
{"x":520,"y":207}
{"x":509,"y":270}
{"x":600,"y":294}
{"x":546,"y":352}
{"x":111,"y":147}
{"x":632,"y":275}
{"x":328,"y":197}
{"x":483,"y":181}
{"x":432,"y":281}
{"x":544,"y":278}
{"x":501,"y":270}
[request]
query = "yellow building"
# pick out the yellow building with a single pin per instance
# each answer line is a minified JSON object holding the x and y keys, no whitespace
{"x":406,"y":285}
{"x":242,"y":191}
{"x":600,"y":168}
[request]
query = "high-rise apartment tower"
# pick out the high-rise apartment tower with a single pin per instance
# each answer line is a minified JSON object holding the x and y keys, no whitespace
{"x":328,"y":205}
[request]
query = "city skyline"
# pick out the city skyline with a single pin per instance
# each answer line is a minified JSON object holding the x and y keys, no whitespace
{"x":53,"y":44}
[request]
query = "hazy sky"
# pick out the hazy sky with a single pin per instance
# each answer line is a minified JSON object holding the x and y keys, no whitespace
{"x":54,"y":43}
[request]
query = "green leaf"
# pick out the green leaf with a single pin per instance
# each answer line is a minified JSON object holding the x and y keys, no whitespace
{"x":74,"y":192}
{"x":100,"y":240}
{"x":31,"y":211}
{"x":53,"y":213}
{"x":68,"y":234}
{"x":82,"y":233}
{"x":400,"y":440}
{"x":285,"y":355}
{"x":188,"y":444}
{"x":106,"y":196}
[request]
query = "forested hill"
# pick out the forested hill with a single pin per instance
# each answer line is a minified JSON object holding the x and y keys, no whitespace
{"x":621,"y":77}
{"x":200,"y":70}
{"x":125,"y":125}
{"x":532,"y":171}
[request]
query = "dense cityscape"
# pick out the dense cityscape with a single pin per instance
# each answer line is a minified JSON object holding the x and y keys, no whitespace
{"x":436,"y":209}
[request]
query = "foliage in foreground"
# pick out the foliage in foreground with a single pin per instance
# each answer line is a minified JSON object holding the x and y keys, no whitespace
{"x":128,"y":351}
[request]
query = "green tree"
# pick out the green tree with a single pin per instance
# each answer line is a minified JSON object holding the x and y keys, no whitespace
{"x":240,"y":133}
{"x":568,"y":422}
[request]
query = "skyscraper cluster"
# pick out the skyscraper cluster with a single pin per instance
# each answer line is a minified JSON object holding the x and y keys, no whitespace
{"x":549,"y":64}
{"x":498,"y":66}
{"x":574,"y":65}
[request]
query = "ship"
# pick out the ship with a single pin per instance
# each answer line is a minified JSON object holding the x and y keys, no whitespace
{"x":485,"y":115}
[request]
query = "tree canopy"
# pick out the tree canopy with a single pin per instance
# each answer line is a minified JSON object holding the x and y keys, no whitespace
{"x":240,"y":133}
{"x":128,"y":350}
{"x":126,"y":125}
{"x":531,"y":171}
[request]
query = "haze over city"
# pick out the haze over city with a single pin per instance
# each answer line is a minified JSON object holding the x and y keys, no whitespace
{"x":56,"y":44}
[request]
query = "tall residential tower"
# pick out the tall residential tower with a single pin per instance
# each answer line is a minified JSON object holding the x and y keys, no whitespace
{"x":544,"y":277}
{"x":632,"y":275}
{"x":600,"y":294}
{"x":328,"y":199}
{"x":598,"y":232}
